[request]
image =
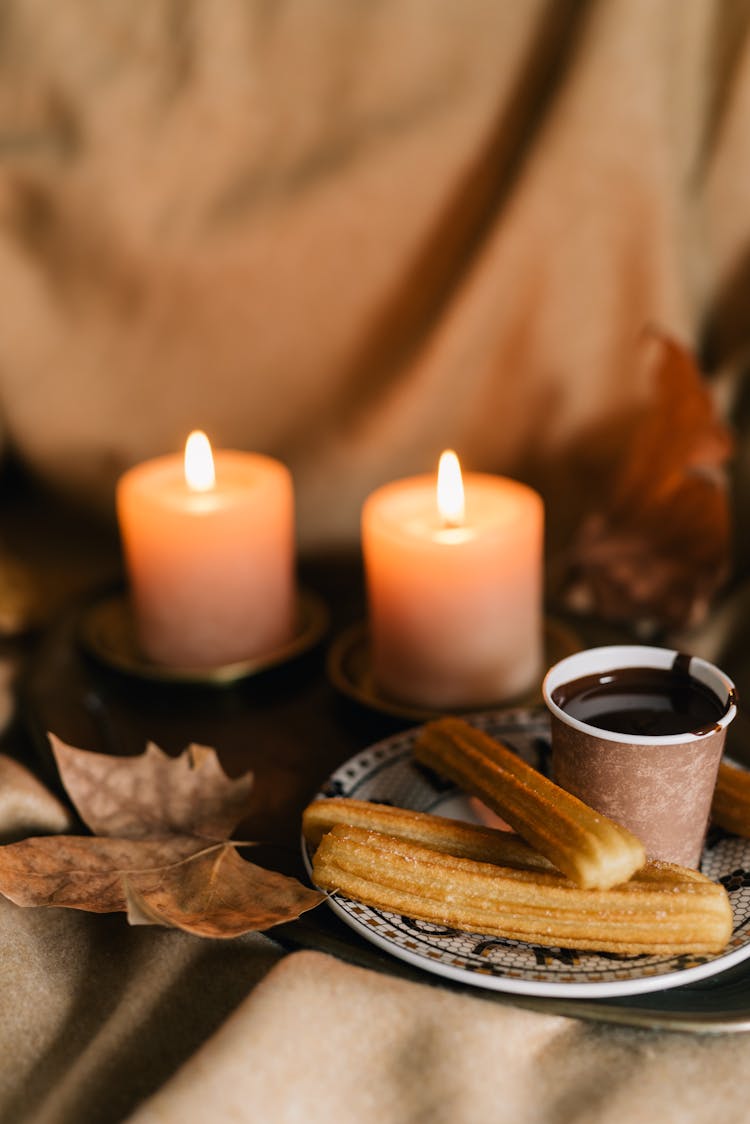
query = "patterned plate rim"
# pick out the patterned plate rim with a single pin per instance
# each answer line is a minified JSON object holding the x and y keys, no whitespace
{"x":365,"y":920}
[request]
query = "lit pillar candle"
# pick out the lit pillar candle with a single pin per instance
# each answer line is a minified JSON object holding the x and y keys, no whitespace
{"x":209,"y":551}
{"x":454,"y":586}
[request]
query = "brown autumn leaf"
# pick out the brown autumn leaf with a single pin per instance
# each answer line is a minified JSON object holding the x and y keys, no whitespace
{"x":153,"y":794}
{"x":660,"y":549}
{"x":160,"y":850}
{"x":216,"y":894}
{"x":83,"y":871}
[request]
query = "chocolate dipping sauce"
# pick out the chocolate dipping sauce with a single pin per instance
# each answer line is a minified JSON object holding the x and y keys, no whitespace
{"x":646,"y":701}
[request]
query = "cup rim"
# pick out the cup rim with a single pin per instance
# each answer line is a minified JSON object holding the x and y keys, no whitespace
{"x":613,"y":656}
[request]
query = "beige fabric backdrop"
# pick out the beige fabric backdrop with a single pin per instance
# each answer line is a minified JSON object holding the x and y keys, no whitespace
{"x":351,"y":235}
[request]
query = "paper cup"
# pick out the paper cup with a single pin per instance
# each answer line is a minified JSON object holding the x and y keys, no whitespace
{"x":660,"y":788}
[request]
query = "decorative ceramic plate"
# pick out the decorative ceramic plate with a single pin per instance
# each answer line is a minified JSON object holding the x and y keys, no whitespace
{"x":386,"y":773}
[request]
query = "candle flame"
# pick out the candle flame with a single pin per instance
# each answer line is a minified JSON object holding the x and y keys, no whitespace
{"x":199,"y":463}
{"x":450,"y":490}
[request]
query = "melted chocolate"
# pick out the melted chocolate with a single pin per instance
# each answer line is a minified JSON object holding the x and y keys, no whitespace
{"x":647,"y":701}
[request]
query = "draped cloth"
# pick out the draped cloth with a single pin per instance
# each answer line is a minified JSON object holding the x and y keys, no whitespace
{"x":353,"y":235}
{"x":400,"y":1051}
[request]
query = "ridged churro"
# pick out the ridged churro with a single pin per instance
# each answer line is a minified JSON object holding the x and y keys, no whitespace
{"x":669,"y":917}
{"x":589,"y":848}
{"x":730,"y":807}
{"x":453,"y":837}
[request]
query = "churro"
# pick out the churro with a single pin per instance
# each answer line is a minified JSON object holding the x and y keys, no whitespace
{"x":730,"y":807}
{"x":453,"y":837}
{"x":592,"y":850}
{"x":669,"y":917}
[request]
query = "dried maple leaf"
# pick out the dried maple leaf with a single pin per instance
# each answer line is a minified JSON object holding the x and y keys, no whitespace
{"x":153,"y":794}
{"x":83,"y":871}
{"x":160,"y":851}
{"x":660,"y":549}
{"x":216,"y":894}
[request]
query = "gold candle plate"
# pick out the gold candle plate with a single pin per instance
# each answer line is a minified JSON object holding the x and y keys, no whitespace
{"x":107,"y":632}
{"x":348,"y":667}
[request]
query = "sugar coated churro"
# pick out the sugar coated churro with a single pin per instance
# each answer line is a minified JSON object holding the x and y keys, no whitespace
{"x":670,"y":916}
{"x":589,"y":848}
{"x":730,"y":808}
{"x":454,"y":837}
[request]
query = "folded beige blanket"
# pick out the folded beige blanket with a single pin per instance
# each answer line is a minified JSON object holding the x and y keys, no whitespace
{"x":320,"y":1041}
{"x":95,"y":1015}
